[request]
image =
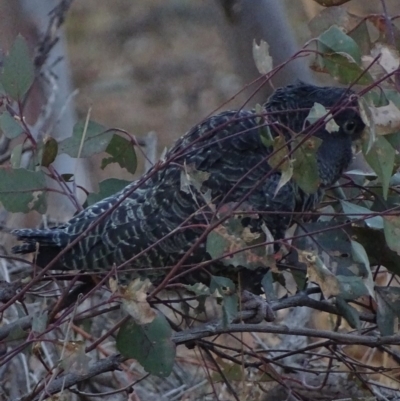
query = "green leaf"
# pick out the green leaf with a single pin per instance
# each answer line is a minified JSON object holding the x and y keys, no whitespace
{"x":223,"y":285}
{"x":16,"y":155}
{"x":381,"y":158}
{"x":394,"y":140}
{"x":150,"y":344}
{"x":349,"y":22}
{"x":334,"y":39}
{"x":229,"y":309}
{"x":202,"y":292}
{"x":226,"y":288}
{"x":22,"y":190}
{"x":198,"y":289}
{"x":357,"y":212}
{"x":39,"y":322}
{"x":360,"y":34}
{"x":50,"y":150}
{"x":10,"y":127}
{"x":233,"y":236}
{"x":18,"y":71}
{"x":351,"y":287}
{"x":347,"y":287}
{"x":107,"y":188}
{"x":305,"y":167}
{"x":122,"y":152}
{"x":349,"y":313}
{"x":392,"y":232}
{"x":266,"y":136}
{"x":343,"y":68}
{"x":332,"y":245}
{"x":341,"y":57}
{"x":377,"y":248}
{"x":300,"y":278}
{"x":96,"y":140}
{"x":389,"y":95}
{"x":360,"y":255}
{"x":280,"y":153}
{"x":388,"y":312}
{"x":267,"y":284}
{"x":216,"y":244}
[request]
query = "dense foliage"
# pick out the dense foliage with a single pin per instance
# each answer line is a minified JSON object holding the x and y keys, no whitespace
{"x":349,"y":247}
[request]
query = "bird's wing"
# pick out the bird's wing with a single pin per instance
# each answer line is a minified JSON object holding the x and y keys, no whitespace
{"x":153,"y":211}
{"x":226,"y":147}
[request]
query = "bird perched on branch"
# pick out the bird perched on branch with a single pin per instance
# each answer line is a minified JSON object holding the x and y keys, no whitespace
{"x":226,"y":160}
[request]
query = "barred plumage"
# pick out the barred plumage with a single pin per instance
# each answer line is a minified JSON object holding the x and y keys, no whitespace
{"x":229,"y":149}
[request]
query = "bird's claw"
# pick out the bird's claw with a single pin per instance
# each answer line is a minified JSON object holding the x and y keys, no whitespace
{"x":258,"y":305}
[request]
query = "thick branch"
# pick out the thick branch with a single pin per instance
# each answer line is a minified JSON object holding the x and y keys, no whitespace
{"x":70,"y":379}
{"x":214,"y":328}
{"x":300,"y":299}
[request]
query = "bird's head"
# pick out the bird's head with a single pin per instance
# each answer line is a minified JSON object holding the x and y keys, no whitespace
{"x":336,"y":150}
{"x":289,"y":106}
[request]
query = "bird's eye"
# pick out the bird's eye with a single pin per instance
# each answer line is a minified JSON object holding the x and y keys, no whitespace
{"x":349,"y":126}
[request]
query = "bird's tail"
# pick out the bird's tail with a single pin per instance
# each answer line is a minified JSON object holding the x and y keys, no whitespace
{"x":30,"y":237}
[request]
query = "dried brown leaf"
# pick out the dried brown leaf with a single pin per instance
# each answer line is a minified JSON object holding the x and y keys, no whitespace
{"x":134,"y":301}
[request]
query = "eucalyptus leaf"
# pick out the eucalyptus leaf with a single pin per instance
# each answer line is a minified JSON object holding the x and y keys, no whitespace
{"x":107,"y":188}
{"x":357,"y":212}
{"x":95,"y":137}
{"x":381,"y":158}
{"x":50,"y":151}
{"x":150,"y":344}
{"x":392,"y":232}
{"x":336,"y":40}
{"x":305,"y":167}
{"x":10,"y":127}
{"x":388,"y":313}
{"x":23,"y":190}
{"x":18,"y":70}
{"x":122,"y":152}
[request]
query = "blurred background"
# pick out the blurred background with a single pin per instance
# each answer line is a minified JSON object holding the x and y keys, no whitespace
{"x":156,"y":65}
